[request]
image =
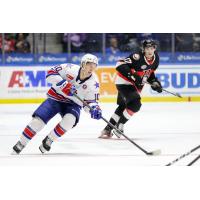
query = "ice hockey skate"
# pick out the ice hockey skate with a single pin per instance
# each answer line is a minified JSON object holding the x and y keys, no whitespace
{"x":46,"y":145}
{"x":119,"y":127}
{"x":106,"y":133}
{"x":18,"y":148}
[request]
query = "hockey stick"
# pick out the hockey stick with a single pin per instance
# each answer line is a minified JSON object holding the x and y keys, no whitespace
{"x":175,"y":94}
{"x":191,"y":163}
{"x":156,"y":152}
{"x":182,"y":156}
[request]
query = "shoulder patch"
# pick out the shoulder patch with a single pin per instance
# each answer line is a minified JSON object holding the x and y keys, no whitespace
{"x":136,"y":56}
{"x":84,"y":86}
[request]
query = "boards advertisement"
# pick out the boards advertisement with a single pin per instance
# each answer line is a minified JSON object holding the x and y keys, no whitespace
{"x":28,"y":83}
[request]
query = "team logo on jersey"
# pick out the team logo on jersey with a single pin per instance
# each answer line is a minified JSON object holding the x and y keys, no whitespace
{"x":70,"y":77}
{"x":136,"y":56}
{"x":84,"y":86}
{"x":96,"y":85}
{"x":143,"y":67}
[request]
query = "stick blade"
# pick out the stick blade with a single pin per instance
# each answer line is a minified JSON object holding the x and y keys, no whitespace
{"x":155,"y":153}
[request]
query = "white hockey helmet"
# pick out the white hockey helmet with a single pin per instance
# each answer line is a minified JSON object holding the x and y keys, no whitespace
{"x":89,"y":58}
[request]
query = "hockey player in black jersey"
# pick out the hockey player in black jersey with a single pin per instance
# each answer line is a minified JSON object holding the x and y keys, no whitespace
{"x":132,"y":73}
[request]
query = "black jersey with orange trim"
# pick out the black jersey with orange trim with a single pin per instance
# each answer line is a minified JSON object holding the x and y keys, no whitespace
{"x":136,"y":62}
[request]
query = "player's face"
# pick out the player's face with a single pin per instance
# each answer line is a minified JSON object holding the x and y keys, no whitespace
{"x":89,"y":68}
{"x":149,"y":51}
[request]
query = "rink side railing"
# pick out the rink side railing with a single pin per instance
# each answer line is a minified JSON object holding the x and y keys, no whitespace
{"x":27,"y":84}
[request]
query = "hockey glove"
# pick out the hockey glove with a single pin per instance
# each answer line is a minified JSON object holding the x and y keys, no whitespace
{"x":156,"y":85}
{"x":136,"y":78}
{"x":67,"y":88}
{"x":96,"y":112}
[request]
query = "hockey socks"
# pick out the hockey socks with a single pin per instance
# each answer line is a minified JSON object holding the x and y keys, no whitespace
{"x":127,"y":114}
{"x":29,"y":132}
{"x":65,"y":125}
{"x":57,"y":132}
{"x":31,"y":129}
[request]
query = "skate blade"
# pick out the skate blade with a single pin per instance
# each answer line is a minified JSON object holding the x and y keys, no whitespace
{"x":14,"y":153}
{"x":157,"y":152}
{"x":42,"y":149}
{"x":105,"y":137}
{"x":118,"y":136}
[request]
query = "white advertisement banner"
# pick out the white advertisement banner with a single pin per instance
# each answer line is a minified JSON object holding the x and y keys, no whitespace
{"x":29,"y":82}
{"x":23,"y":82}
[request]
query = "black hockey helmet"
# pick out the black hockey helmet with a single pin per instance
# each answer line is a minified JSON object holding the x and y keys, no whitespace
{"x":148,"y":43}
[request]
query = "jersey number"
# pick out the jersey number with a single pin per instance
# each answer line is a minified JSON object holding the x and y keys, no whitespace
{"x":58,"y":68}
{"x":96,"y":97}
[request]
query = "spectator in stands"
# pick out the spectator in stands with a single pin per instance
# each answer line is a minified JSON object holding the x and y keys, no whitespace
{"x":77,"y":42}
{"x":184,"y":42}
{"x":9,"y":43}
{"x":22,"y":45}
{"x":128,"y":42}
{"x":196,"y":44}
{"x":196,"y":47}
{"x":113,"y":46}
{"x":94,"y":42}
{"x":132,"y":45}
{"x":196,"y":37}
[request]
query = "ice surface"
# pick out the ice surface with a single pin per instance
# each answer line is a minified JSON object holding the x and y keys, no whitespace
{"x":172,"y":127}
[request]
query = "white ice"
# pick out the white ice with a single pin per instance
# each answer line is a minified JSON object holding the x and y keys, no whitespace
{"x":172,"y":127}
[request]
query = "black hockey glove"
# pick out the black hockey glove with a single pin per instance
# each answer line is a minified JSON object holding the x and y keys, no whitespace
{"x":156,"y":85}
{"x":136,"y":78}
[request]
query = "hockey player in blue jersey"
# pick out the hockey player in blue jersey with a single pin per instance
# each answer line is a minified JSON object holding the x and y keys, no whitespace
{"x":66,"y":79}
